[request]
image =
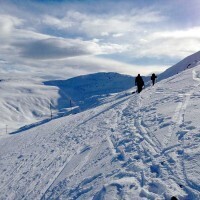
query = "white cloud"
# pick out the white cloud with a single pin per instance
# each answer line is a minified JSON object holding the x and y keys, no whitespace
{"x":56,"y":22}
{"x":118,"y":35}
{"x":174,"y":44}
{"x":8,"y":24}
{"x":191,"y":33}
{"x":110,"y":48}
{"x":43,"y":37}
{"x":94,"y":25}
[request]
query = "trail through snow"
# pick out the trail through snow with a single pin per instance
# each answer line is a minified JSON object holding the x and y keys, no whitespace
{"x":140,"y":146}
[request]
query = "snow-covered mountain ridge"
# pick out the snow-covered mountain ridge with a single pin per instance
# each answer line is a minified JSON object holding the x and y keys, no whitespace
{"x":142,"y":146}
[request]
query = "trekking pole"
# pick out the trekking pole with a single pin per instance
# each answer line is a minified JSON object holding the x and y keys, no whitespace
{"x":50,"y":111}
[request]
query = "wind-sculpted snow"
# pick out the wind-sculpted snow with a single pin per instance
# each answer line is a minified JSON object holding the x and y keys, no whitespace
{"x":137,"y":146}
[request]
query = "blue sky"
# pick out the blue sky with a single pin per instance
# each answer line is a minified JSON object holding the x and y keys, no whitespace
{"x":64,"y":38}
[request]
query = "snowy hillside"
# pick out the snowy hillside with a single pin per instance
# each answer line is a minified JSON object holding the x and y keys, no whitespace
{"x":187,"y":63}
{"x":25,"y":101}
{"x":87,"y":91}
{"x":140,"y":146}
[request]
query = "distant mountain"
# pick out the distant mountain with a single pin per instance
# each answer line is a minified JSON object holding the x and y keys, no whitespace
{"x":85,"y":91}
{"x":188,"y":62}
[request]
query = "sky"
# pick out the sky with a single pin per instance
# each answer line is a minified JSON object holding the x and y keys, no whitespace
{"x":57,"y":39}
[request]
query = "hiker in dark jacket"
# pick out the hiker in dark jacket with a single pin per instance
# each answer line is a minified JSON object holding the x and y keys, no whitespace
{"x":139,"y":82}
{"x":153,"y":78}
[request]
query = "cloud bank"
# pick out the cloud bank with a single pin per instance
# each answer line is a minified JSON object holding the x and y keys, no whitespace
{"x":56,"y":48}
{"x":79,"y":37}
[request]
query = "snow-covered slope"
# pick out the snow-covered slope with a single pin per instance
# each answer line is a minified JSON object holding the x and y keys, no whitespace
{"x":187,"y":63}
{"x":24,"y":101}
{"x":140,"y":146}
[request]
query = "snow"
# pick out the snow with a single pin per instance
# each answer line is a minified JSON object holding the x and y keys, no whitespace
{"x":126,"y":146}
{"x":187,"y":63}
{"x":24,"y":101}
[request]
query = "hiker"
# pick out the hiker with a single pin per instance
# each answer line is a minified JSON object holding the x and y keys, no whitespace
{"x":153,"y":78}
{"x":139,"y":82}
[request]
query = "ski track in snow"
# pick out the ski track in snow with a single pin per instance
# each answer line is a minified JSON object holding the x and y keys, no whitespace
{"x":177,"y":127}
{"x":178,"y":118}
{"x":151,"y":149}
{"x":113,"y":152}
